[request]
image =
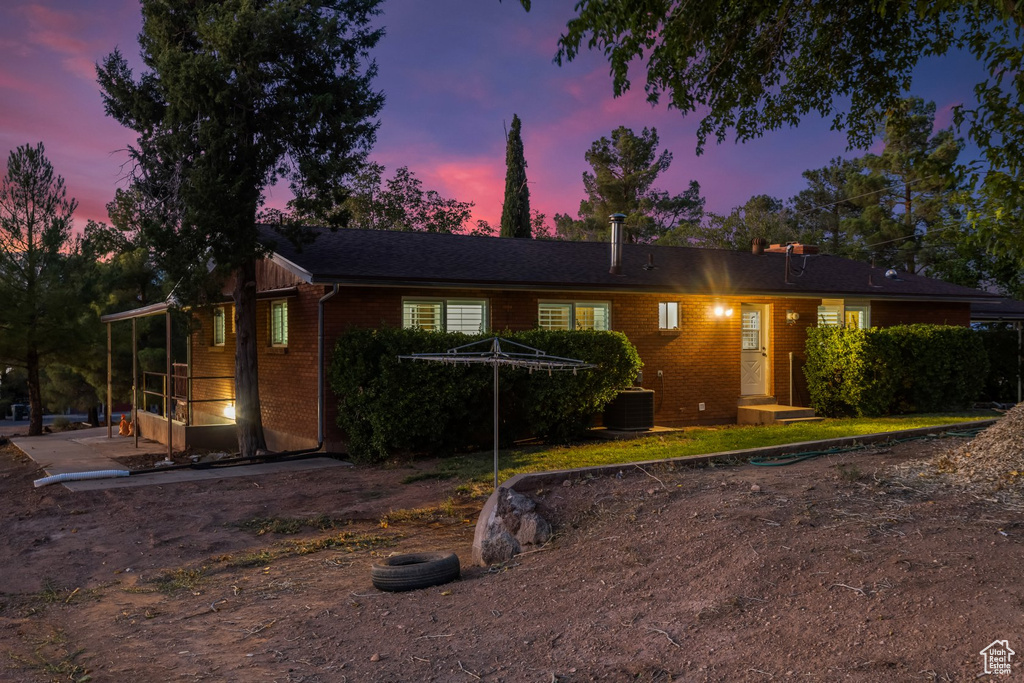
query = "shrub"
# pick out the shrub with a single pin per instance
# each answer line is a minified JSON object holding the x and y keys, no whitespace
{"x":906,"y":368}
{"x":1000,"y":341}
{"x":386,"y":405}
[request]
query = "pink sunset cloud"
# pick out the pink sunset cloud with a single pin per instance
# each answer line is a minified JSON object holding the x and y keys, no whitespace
{"x":56,"y":31}
{"x":479,"y":180}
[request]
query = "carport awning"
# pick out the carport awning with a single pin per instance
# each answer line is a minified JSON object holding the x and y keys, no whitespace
{"x":152,"y":309}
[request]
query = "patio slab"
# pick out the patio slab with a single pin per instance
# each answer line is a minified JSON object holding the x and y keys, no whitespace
{"x":89,"y":450}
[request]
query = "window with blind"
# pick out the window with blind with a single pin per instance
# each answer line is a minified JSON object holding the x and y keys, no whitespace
{"x":668,"y":315}
{"x":573,"y":316}
{"x":829,"y":316}
{"x":468,"y":316}
{"x":218,"y":326}
{"x":836,"y":312}
{"x":858,"y":317}
{"x":279,"y":323}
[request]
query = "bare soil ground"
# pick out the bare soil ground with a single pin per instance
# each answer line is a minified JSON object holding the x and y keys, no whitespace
{"x":831,"y":569}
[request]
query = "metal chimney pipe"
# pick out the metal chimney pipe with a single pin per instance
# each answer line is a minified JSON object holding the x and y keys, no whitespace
{"x":617,"y":237}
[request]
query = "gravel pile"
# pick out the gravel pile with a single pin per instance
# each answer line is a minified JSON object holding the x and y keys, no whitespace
{"x":992,"y":461}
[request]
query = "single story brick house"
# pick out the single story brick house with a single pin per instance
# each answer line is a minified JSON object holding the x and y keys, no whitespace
{"x":715,"y":329}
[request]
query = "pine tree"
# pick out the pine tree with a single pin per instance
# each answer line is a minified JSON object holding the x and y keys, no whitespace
{"x":515,"y":212}
{"x":238,"y":95}
{"x":42,"y":273}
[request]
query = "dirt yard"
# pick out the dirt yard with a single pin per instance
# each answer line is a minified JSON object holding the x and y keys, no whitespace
{"x":822,"y":571}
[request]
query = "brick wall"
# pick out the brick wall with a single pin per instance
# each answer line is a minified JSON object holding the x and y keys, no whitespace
{"x":210,"y":396}
{"x":287,"y":375}
{"x":699,"y":362}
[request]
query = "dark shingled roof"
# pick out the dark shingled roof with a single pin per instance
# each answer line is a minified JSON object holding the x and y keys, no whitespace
{"x":426,"y":259}
{"x":1000,"y":309}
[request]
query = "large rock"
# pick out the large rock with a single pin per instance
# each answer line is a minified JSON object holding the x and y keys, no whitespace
{"x":498,"y":546}
{"x":533,"y":529}
{"x":508,"y":521}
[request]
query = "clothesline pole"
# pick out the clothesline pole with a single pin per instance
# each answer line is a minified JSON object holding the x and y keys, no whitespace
{"x":495,"y":364}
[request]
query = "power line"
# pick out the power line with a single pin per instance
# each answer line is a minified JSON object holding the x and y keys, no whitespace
{"x":866,"y":194}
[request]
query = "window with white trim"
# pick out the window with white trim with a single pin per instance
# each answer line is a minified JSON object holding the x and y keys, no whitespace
{"x":279,"y":323}
{"x":836,"y":312}
{"x":468,"y":316}
{"x":218,"y":326}
{"x":858,"y":317}
{"x":668,"y":315}
{"x":582,"y":315}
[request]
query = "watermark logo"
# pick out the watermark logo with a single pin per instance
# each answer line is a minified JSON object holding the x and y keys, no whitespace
{"x":997,"y":657}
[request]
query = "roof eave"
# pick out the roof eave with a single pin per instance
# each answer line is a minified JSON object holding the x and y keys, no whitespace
{"x":631,"y":288}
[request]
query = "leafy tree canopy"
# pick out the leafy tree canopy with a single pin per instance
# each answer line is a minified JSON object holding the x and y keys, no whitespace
{"x":401,"y":203}
{"x":907,"y":192}
{"x":625,"y":168}
{"x":752,"y":66}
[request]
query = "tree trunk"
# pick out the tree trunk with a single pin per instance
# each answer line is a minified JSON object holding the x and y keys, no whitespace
{"x":247,"y":388}
{"x":35,"y":399}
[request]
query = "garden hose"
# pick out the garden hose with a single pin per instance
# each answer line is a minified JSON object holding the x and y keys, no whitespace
{"x":794,"y":458}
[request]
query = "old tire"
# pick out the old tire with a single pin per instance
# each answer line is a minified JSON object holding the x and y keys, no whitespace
{"x":414,"y":570}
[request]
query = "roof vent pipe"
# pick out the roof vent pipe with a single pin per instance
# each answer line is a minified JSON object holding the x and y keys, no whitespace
{"x":617,"y":237}
{"x":757,"y":245}
{"x":789,"y":256}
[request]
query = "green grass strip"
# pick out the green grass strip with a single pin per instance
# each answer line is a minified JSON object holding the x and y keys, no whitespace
{"x":477,"y":468}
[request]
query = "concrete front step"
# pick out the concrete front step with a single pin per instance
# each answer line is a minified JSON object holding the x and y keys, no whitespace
{"x":756,"y":400}
{"x":770,"y":414}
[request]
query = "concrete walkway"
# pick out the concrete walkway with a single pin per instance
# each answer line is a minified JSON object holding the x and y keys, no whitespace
{"x":89,"y":450}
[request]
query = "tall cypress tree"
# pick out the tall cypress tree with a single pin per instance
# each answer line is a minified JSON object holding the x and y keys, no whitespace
{"x":515,"y":212}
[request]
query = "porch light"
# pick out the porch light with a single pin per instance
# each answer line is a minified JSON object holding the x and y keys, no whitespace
{"x":722,"y":312}
{"x":229,"y":411}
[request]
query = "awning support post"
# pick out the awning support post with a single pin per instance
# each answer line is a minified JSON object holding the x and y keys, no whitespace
{"x":135,"y":382}
{"x":168,"y":384}
{"x":110,"y":375}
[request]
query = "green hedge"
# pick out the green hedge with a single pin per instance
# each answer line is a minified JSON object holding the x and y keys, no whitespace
{"x":1000,"y":340}
{"x":389,"y":406}
{"x":901,"y":369}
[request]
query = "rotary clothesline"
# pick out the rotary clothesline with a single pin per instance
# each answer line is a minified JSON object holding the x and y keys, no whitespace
{"x":491,"y":352}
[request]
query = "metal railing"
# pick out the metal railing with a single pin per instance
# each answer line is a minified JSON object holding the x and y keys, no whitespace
{"x":154,"y":385}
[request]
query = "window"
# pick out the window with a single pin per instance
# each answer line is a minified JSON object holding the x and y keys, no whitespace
{"x":554,"y":316}
{"x":573,"y":316}
{"x":218,"y":326}
{"x":751,"y":325}
{"x":279,"y":323}
{"x":858,"y":317}
{"x":452,"y":315}
{"x":469,"y":317}
{"x":836,"y":312}
{"x":828,"y":315}
{"x":668,"y":315}
{"x":423,"y":315}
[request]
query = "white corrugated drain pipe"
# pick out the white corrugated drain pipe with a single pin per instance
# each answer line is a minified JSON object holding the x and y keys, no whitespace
{"x":81,"y":476}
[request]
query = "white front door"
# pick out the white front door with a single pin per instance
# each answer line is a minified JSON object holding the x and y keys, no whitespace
{"x":753,"y":350}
